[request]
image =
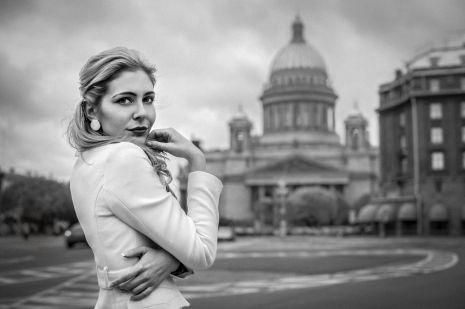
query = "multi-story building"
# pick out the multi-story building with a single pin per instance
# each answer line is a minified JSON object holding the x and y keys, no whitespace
{"x":422,"y":145}
{"x":299,"y":146}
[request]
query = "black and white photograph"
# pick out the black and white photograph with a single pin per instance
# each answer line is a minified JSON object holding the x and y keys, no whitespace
{"x":240,"y":154}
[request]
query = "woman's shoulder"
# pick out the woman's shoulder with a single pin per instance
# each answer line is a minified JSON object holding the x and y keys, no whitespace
{"x":112,"y":153}
{"x":117,"y":148}
{"x":122,"y":149}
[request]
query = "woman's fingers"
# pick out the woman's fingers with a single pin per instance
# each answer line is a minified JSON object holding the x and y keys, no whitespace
{"x":159,"y":145}
{"x":134,"y":282}
{"x":135,"y":252}
{"x":126,"y":277}
{"x":161,"y":135}
{"x":143,"y":294}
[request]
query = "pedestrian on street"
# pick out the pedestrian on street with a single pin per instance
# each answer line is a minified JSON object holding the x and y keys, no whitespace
{"x":133,"y":223}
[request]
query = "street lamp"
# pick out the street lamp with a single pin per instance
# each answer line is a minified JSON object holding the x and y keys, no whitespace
{"x":281,"y":191}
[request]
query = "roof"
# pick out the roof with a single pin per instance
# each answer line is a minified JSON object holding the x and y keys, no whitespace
{"x":297,"y":54}
{"x":297,"y":169}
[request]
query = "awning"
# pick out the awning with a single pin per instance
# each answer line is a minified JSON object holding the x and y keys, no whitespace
{"x":385,"y":213}
{"x":407,"y":212}
{"x":438,"y":213}
{"x":367,"y":214}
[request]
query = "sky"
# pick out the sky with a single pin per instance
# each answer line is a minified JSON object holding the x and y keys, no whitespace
{"x":211,"y":56}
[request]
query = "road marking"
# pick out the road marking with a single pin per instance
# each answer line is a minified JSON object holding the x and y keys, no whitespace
{"x":81,"y":292}
{"x":432,"y":261}
{"x":53,"y":297}
{"x":17,"y":260}
{"x":42,"y":273}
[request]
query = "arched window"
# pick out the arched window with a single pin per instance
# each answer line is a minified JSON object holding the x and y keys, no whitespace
{"x":240,"y":138}
{"x":317,"y":115}
{"x":266,"y":117}
{"x":355,"y":140}
{"x":288,"y":115}
{"x":330,"y":119}
{"x":324,"y":117}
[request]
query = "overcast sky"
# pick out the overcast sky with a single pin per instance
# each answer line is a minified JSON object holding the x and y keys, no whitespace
{"x":210,"y":55}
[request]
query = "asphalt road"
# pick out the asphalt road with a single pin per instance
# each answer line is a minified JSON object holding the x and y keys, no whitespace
{"x":296,"y":272}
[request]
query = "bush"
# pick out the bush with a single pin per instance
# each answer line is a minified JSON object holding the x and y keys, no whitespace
{"x":315,"y":206}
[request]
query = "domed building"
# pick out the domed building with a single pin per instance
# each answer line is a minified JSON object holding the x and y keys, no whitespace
{"x":299,"y":146}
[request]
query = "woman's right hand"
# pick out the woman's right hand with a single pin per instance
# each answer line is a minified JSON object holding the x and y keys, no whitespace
{"x":153,"y":266}
{"x":173,"y":142}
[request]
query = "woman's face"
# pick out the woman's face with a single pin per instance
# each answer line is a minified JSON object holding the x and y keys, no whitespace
{"x":127,"y":110}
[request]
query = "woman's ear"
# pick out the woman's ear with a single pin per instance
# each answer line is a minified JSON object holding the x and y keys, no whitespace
{"x":90,"y":110}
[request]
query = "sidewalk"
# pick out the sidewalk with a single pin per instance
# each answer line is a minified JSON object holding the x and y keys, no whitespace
{"x":317,"y":243}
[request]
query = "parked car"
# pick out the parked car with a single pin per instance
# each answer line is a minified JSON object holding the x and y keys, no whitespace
{"x":226,"y":233}
{"x":74,"y":235}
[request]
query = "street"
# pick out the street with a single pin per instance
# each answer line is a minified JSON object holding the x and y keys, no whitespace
{"x":268,"y":272}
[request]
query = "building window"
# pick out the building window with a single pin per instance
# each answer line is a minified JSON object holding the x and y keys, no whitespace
{"x":463,"y":135}
{"x":462,"y":109}
{"x":240,"y":141}
{"x":403,"y":142}
{"x":438,"y":185}
{"x":330,"y":119}
{"x":437,"y":161}
{"x":355,"y":140}
{"x":302,"y":115}
{"x":316,"y":115}
{"x":437,"y":136}
{"x":402,"y":119}
{"x":434,"y":61}
{"x":462,"y":83}
{"x":306,"y":111}
{"x":266,"y":118}
{"x":435,"y":111}
{"x":324,"y":117}
{"x":288,"y":115}
{"x":404,"y":165}
{"x":463,"y":160}
{"x":434,"y":85}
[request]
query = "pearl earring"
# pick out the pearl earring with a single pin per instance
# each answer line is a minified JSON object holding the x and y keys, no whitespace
{"x":95,"y":125}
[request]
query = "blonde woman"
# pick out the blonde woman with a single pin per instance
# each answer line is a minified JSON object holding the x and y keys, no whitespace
{"x":134,"y":225}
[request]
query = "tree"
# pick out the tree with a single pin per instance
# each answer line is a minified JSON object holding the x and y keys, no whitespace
{"x":312,"y":206}
{"x":39,"y":200}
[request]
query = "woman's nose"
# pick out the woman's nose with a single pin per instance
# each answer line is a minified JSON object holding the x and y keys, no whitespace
{"x":140,"y":111}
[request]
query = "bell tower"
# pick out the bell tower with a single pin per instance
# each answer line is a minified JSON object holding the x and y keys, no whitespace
{"x":240,"y":132}
{"x":357,"y":138}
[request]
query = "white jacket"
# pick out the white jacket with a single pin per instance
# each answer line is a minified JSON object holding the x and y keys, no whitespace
{"x":121,"y":204}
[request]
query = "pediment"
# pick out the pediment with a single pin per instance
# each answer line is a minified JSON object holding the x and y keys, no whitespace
{"x":296,"y":165}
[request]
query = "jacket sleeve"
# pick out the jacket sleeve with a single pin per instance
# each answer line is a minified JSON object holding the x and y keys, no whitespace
{"x":135,"y":195}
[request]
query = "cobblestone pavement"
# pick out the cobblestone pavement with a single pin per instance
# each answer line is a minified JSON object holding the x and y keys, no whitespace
{"x":81,"y":290}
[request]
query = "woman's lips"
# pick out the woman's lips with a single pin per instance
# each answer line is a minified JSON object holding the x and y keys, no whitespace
{"x":139,"y":131}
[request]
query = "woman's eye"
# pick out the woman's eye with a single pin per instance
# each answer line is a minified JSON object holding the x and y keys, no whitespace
{"x":124,"y":101}
{"x":148,"y":100}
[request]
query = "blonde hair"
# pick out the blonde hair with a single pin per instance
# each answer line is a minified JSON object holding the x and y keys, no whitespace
{"x":94,"y":78}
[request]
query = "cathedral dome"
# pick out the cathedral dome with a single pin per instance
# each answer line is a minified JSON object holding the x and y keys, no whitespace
{"x":298,"y":54}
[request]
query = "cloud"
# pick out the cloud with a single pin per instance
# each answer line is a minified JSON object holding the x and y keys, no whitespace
{"x":211,"y":56}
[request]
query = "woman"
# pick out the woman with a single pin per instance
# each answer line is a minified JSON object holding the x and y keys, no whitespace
{"x":119,"y":187}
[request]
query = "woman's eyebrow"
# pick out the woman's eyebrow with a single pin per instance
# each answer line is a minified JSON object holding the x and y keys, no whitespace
{"x":150,"y":92}
{"x":124,"y":93}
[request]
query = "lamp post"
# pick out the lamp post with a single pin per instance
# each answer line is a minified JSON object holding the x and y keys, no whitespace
{"x":281,"y":191}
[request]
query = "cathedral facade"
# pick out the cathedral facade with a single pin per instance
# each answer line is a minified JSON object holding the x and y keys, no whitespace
{"x":299,"y":146}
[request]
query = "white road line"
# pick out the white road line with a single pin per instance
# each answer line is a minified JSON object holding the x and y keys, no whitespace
{"x":22,"y":304}
{"x":17,"y":260}
{"x":82,"y":291}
